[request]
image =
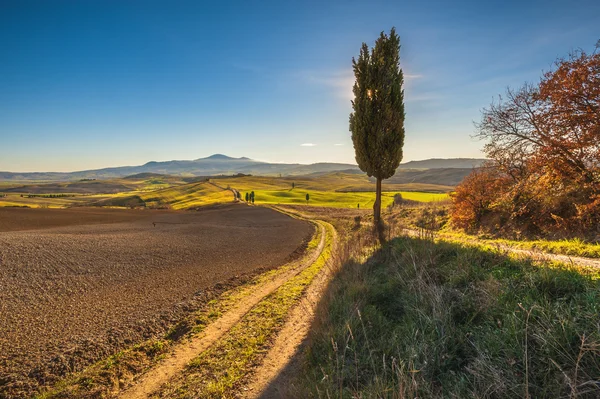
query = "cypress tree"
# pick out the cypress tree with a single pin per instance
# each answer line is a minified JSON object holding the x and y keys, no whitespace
{"x":377,"y":120}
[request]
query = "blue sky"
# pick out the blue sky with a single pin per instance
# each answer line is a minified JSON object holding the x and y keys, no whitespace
{"x":86,"y":84}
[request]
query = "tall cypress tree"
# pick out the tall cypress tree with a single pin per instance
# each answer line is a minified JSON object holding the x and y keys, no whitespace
{"x":377,"y":120}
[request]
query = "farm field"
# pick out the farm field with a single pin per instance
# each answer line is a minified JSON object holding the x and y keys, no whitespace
{"x":79,"y":284}
{"x":336,"y":181}
{"x":333,"y":190}
{"x":340,"y":190}
{"x":339,"y":200}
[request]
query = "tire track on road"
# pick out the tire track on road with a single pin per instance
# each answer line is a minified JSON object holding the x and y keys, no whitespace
{"x":185,"y":352}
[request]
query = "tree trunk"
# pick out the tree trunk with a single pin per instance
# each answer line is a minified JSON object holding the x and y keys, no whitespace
{"x":377,"y":205}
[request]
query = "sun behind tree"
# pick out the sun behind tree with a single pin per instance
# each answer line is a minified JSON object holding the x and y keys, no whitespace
{"x":377,"y":120}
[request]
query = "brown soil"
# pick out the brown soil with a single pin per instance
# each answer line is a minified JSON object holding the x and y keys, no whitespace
{"x":17,"y":219}
{"x":79,"y":291}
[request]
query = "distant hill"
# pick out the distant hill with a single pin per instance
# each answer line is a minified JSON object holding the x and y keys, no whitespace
{"x":219,"y":164}
{"x":440,"y":163}
{"x":442,"y":176}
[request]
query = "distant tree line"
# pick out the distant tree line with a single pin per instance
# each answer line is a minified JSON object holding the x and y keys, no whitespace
{"x":49,"y":195}
{"x":543,"y":143}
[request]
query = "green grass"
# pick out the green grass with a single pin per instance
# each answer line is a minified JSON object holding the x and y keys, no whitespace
{"x":572,"y":247}
{"x":217,"y":372}
{"x":425,"y":319}
{"x":436,"y":218}
{"x":337,"y":199}
{"x":331,"y":190}
{"x":337,"y":190}
{"x":105,"y":376}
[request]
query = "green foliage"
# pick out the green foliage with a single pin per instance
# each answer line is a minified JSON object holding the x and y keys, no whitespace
{"x":377,"y":120}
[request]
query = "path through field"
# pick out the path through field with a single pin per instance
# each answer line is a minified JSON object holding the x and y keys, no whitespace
{"x":184,"y":353}
{"x":271,"y":380}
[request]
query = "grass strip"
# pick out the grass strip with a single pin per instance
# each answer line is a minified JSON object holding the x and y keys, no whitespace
{"x":572,"y":247}
{"x":564,"y":247}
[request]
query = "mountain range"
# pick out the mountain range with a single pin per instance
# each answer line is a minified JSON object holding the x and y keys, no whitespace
{"x":219,"y":164}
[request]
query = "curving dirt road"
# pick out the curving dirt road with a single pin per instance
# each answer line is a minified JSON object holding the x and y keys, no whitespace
{"x":184,"y":353}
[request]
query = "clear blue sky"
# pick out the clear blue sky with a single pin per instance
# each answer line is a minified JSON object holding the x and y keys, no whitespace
{"x":89,"y":84}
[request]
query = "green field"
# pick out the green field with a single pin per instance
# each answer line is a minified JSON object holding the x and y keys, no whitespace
{"x":335,"y":199}
{"x":337,"y":181}
{"x":339,"y":190}
{"x":334,"y":190}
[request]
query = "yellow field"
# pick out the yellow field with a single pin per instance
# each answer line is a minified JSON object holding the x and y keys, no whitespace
{"x":187,"y":196}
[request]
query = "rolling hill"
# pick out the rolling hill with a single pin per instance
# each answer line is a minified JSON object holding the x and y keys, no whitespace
{"x":220,"y":164}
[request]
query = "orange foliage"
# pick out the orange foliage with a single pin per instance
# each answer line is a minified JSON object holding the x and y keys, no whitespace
{"x":472,"y":199}
{"x":543,"y":143}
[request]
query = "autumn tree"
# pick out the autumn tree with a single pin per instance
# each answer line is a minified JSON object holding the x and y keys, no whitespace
{"x":554,"y":125}
{"x":544,"y":143}
{"x":474,"y":197}
{"x":377,"y":120}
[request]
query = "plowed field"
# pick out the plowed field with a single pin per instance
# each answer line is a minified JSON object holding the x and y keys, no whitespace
{"x":77,"y":285}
